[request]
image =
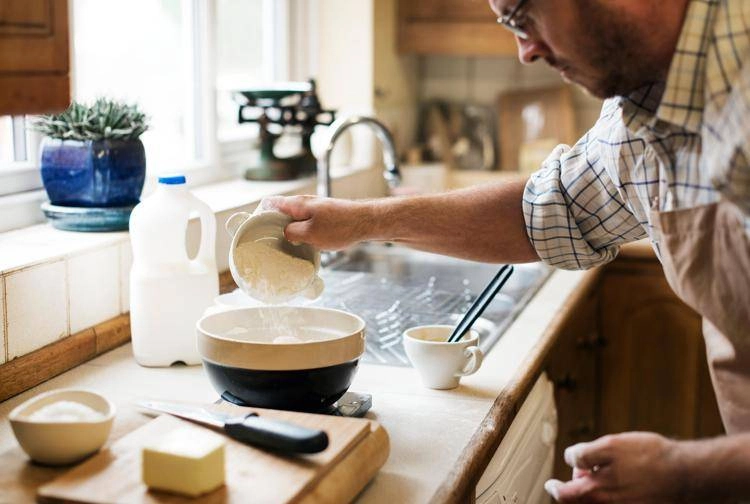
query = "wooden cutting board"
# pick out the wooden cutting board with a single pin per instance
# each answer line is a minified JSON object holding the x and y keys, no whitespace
{"x":357,"y":449}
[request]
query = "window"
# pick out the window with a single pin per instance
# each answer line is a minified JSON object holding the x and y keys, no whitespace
{"x":20,"y":180}
{"x":239,"y":59}
{"x":18,"y":148}
{"x":182,"y":50}
{"x":153,"y":55}
{"x":179,"y":60}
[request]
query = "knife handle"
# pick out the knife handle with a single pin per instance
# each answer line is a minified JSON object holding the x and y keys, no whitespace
{"x":276,"y":435}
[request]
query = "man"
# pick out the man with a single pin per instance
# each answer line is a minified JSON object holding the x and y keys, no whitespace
{"x":669,"y":158}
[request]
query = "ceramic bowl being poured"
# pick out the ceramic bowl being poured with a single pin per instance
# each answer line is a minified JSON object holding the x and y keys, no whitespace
{"x":281,"y":357}
{"x":265,"y":265}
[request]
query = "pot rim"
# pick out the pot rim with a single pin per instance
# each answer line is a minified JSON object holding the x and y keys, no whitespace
{"x":254,"y":355}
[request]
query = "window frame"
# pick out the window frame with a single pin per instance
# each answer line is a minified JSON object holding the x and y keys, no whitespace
{"x":21,"y":174}
{"x":21,"y":189}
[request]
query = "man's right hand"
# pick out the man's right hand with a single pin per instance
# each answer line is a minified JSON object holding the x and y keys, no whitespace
{"x":324,"y":223}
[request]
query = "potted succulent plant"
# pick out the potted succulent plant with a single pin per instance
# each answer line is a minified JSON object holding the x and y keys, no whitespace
{"x":93,"y":164}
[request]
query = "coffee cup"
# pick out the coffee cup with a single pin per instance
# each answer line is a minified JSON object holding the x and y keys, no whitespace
{"x":440,"y":364}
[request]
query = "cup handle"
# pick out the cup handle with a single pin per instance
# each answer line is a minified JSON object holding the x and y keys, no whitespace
{"x":475,"y":356}
{"x":235,"y":221}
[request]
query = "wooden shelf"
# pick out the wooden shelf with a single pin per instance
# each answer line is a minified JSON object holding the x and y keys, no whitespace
{"x":451,"y":27}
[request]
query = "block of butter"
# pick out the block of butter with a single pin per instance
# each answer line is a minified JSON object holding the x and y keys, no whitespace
{"x":187,"y":461}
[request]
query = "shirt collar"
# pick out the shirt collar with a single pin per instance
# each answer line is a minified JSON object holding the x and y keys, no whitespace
{"x":683,"y":100}
{"x":679,"y":100}
{"x":640,"y":106}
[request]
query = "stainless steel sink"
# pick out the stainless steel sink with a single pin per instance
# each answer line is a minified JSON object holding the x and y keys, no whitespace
{"x":393,"y":288}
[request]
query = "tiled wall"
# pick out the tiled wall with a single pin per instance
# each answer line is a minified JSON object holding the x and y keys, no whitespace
{"x":44,"y":302}
{"x":480,"y":80}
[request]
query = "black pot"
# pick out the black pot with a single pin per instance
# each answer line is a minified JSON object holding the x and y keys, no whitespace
{"x":309,"y":375}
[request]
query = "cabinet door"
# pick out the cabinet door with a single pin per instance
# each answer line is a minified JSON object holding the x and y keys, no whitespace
{"x":572,"y":367}
{"x":459,"y":27}
{"x":654,"y":373}
{"x":33,"y":56}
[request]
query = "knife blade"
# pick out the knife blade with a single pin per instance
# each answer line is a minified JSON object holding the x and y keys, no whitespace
{"x":249,"y":429}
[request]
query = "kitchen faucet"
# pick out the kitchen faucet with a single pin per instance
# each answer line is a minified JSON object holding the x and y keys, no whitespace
{"x":390,"y":173}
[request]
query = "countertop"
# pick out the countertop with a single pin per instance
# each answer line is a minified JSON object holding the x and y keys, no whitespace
{"x":436,"y":436}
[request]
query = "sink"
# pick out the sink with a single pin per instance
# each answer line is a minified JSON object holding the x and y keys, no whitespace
{"x":393,"y":288}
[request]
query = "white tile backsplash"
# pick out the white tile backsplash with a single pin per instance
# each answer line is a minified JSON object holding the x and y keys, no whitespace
{"x":445,"y":78}
{"x":481,"y":80}
{"x":94,"y":287}
{"x":3,"y":341}
{"x":126,"y":261}
{"x":38,"y":244}
{"x":36,"y":307}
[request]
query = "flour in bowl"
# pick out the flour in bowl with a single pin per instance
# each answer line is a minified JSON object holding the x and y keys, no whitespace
{"x":271,"y":275}
{"x":282,"y":333}
{"x":66,"y":411}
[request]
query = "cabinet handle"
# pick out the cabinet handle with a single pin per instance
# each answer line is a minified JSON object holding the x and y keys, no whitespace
{"x":567,"y":382}
{"x":582,"y":430}
{"x":591,"y":342}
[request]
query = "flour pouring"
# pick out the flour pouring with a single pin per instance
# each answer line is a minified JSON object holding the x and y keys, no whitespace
{"x":265,"y":265}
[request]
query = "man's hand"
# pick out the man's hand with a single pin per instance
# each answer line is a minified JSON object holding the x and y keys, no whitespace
{"x":632,"y":467}
{"x":325,"y":223}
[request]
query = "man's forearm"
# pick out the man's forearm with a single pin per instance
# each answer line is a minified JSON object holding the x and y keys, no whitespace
{"x":716,"y":469}
{"x":483,"y":223}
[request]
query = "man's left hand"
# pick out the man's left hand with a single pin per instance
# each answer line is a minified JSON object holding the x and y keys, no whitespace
{"x":631,"y":467}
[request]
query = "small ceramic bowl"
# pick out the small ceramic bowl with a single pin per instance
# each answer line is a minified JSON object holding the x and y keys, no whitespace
{"x":268,"y":228}
{"x":59,"y":442}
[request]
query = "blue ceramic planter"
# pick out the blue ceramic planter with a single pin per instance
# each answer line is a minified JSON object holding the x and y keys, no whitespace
{"x":102,"y":173}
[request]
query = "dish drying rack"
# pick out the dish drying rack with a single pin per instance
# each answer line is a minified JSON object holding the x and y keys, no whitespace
{"x":390,"y":305}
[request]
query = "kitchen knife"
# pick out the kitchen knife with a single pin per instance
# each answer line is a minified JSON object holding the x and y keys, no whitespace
{"x":249,"y":429}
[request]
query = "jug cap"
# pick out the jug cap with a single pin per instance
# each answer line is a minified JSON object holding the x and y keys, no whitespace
{"x":172,"y":179}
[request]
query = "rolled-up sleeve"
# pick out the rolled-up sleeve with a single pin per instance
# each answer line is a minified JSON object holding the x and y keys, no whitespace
{"x":575,"y":216}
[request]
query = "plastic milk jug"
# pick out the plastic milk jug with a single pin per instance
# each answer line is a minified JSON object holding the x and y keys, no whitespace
{"x":169,"y":291}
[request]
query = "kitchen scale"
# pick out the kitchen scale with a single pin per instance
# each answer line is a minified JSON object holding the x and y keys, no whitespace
{"x":283,"y":110}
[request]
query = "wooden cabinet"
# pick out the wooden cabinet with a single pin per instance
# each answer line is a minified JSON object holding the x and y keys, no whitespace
{"x":573,"y":368}
{"x":458,"y":27}
{"x":631,"y":359}
{"x":654,"y":374}
{"x":34,"y":68}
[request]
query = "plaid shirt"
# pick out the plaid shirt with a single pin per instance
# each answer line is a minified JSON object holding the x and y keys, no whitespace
{"x":678,"y":144}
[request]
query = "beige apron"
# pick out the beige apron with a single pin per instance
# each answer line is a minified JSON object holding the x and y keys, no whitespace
{"x":705,"y":252}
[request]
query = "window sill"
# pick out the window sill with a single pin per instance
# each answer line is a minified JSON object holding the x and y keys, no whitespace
{"x":56,"y":283}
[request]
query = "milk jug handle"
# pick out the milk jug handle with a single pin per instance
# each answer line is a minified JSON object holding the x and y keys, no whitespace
{"x":206,"y":252}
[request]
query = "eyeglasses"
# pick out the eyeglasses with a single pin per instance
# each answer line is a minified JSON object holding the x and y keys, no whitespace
{"x":510,"y":22}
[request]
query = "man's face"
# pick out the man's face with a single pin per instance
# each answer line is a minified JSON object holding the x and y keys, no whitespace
{"x":599,"y":44}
